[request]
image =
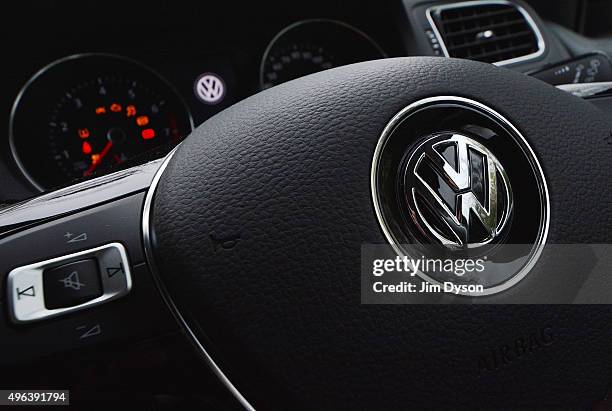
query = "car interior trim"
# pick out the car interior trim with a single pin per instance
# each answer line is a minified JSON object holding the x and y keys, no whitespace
{"x":526,"y":15}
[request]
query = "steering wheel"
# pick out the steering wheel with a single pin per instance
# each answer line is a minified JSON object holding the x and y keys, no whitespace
{"x":253,"y":229}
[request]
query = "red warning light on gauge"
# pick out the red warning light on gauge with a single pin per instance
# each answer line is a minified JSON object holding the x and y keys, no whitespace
{"x":83,"y":132}
{"x":86,"y":148}
{"x":142,"y":120}
{"x":148,"y":133}
{"x":130,"y":111}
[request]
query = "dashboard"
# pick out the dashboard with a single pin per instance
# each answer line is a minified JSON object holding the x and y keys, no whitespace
{"x":94,"y":87}
{"x":93,"y":112}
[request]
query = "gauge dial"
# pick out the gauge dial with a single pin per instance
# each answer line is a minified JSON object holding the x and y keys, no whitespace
{"x":314,"y":45}
{"x":87,"y":114}
{"x":105,"y":121}
{"x":297,"y":60}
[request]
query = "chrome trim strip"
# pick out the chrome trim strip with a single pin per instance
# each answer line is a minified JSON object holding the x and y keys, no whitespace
{"x":528,"y":18}
{"x":586,"y":90}
{"x":148,"y":247}
{"x":77,"y":197}
{"x":397,"y":119}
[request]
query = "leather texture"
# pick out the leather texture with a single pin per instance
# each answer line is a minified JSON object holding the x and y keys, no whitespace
{"x":260,"y":217}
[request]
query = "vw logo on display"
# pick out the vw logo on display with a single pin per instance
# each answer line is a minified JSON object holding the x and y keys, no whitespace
{"x":457,"y":191}
{"x":210,"y":88}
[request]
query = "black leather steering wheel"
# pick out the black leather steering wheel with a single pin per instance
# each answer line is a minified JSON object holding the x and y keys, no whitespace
{"x":253,"y":228}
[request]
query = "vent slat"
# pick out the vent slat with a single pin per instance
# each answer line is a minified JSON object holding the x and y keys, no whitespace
{"x":485,"y":32}
{"x":485,"y":27}
{"x":479,"y":16}
{"x":492,"y":40}
{"x":508,"y":50}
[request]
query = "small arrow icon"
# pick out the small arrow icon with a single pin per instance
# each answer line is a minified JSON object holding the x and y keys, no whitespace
{"x":80,"y":237}
{"x":93,"y":331}
{"x":111,"y":271}
{"x":29,"y":292}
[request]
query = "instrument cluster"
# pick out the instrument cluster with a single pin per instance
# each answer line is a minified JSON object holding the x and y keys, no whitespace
{"x":87,"y":114}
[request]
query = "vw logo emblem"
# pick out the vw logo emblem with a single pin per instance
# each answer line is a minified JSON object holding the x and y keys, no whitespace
{"x":452,"y":178}
{"x":457,"y":191}
{"x":210,"y":88}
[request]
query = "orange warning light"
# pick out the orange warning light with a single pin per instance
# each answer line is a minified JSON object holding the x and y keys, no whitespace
{"x":148,"y":133}
{"x":83,"y":132}
{"x":100,"y":110}
{"x":86,"y":148}
{"x":95,"y":158}
{"x":130,"y":111}
{"x":142,"y":120}
{"x":115,"y":108}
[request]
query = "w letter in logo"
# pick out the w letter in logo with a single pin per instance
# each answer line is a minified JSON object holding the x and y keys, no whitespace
{"x":457,"y":191}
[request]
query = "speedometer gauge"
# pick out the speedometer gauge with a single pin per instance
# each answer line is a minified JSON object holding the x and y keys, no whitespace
{"x":297,"y":60}
{"x":86,"y":114}
{"x":309,"y":46}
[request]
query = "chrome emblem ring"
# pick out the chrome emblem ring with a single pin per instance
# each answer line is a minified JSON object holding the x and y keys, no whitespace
{"x":453,"y":178}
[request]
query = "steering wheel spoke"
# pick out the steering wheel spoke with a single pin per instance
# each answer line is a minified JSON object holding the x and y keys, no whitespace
{"x":76,"y":270}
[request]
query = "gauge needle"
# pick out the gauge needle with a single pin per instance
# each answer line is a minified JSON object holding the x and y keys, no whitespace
{"x":98,"y":159}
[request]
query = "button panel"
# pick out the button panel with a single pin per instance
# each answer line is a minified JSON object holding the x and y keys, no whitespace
{"x":31,"y":296}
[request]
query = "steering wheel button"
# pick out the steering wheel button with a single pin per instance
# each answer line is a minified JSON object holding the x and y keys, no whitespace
{"x":72,"y":284}
{"x":69,"y":283}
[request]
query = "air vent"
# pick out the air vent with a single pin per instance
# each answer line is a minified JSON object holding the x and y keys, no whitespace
{"x":496,"y":32}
